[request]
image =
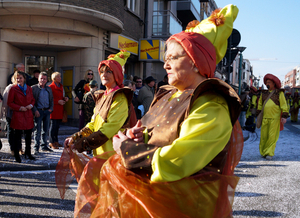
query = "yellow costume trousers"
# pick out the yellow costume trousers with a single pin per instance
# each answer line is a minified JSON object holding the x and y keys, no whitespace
{"x":270,"y":129}
{"x":294,"y":115}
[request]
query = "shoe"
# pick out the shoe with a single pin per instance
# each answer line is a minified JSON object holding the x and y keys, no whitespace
{"x":36,"y":152}
{"x":17,"y":157}
{"x":53,"y":145}
{"x":47,"y":149}
{"x":59,"y":145}
{"x":269,"y":157}
{"x":29,"y":156}
{"x":21,"y":152}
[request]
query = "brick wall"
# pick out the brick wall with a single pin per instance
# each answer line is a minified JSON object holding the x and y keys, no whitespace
{"x":133,"y":24}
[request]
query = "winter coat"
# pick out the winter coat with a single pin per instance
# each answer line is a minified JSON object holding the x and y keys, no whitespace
{"x":22,"y":120}
{"x":58,"y":94}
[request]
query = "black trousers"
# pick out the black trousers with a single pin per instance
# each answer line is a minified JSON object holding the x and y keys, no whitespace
{"x":17,"y":139}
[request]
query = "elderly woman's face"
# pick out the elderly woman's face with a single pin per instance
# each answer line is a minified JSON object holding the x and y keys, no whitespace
{"x":57,"y":79}
{"x":107,"y":77}
{"x":179,"y":67}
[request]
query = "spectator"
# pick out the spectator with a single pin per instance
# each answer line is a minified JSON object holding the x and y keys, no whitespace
{"x":133,"y":106}
{"x":21,"y":101}
{"x":21,"y":68}
{"x":89,"y":102}
{"x":35,"y":79}
{"x":79,"y":91}
{"x":138,"y":85}
{"x":245,"y":104}
{"x":163,"y":82}
{"x":7,"y":112}
{"x":58,"y":109}
{"x":146,"y":93}
{"x":42,"y":109}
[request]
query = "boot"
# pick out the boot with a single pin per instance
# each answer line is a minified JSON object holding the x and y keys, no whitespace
{"x":28,"y":153}
{"x":17,"y":156}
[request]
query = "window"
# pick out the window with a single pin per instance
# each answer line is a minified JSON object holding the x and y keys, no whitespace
{"x":134,"y":6}
{"x":42,"y":63}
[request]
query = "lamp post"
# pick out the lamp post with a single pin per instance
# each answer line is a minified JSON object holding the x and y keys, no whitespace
{"x":241,"y":49}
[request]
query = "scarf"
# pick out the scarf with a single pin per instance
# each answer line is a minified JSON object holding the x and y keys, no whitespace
{"x":23,"y":88}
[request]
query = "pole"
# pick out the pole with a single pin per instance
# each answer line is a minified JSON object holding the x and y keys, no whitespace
{"x":240,"y":72}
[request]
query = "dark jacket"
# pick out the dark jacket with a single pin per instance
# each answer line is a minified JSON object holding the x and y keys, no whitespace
{"x":36,"y":89}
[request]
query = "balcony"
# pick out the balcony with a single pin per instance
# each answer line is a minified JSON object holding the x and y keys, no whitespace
{"x":165,"y":24}
{"x":187,"y":11}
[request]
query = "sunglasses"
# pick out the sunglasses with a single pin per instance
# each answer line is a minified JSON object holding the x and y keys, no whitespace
{"x":90,"y":74}
{"x":138,"y":81}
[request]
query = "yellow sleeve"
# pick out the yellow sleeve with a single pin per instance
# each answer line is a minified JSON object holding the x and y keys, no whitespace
{"x":282,"y":102}
{"x":254,"y":98}
{"x":116,"y":117}
{"x":260,"y":104}
{"x":202,"y":136}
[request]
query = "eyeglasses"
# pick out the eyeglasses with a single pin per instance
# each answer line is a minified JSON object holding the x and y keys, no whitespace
{"x":172,"y":58}
{"x":107,"y":71}
{"x":138,"y":81}
{"x":90,"y":74}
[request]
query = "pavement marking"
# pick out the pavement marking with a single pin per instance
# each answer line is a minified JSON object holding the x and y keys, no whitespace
{"x":26,"y":172}
{"x":73,"y":187}
{"x":297,"y":126}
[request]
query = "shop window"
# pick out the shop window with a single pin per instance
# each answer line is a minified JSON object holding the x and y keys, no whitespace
{"x":134,"y":6}
{"x":42,"y":63}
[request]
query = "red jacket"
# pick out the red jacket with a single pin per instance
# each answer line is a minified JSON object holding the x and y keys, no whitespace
{"x":58,"y":94}
{"x":20,"y":119}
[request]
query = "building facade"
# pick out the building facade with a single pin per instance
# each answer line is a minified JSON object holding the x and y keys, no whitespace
{"x":68,"y":36}
{"x":163,"y":19}
{"x":290,"y":79}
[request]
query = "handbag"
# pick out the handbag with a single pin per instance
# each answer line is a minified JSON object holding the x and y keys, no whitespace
{"x":260,"y":116}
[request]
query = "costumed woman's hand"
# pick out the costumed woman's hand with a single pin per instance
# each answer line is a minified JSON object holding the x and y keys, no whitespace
{"x":283,"y":120}
{"x":69,"y":143}
{"x":136,"y":132}
{"x":117,"y":141}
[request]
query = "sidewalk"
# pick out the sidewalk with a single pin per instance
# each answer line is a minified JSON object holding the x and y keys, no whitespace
{"x":45,"y":160}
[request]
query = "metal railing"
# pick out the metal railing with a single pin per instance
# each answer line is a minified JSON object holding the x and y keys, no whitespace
{"x":165,"y":24}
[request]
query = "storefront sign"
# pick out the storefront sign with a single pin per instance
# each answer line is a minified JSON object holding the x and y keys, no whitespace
{"x":120,"y":42}
{"x":151,"y":50}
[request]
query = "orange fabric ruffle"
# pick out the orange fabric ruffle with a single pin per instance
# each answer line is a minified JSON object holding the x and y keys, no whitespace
{"x":107,"y":189}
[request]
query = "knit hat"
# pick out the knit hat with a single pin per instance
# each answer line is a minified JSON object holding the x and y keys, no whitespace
{"x":115,"y":62}
{"x":205,"y":42}
{"x":274,"y":79}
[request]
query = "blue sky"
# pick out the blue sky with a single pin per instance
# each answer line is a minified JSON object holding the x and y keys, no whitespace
{"x":270,"y":29}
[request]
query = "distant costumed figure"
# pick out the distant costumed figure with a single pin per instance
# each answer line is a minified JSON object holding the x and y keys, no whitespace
{"x":295,"y":106}
{"x":274,"y":115}
{"x":178,"y":161}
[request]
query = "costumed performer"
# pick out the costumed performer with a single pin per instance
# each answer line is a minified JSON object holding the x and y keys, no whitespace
{"x":182,"y":164}
{"x":110,"y":115}
{"x":295,"y":106}
{"x":274,"y":115}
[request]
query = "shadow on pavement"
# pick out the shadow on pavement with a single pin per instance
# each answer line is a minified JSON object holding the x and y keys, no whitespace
{"x":259,"y":165}
{"x":257,"y":213}
{"x":248,"y":194}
